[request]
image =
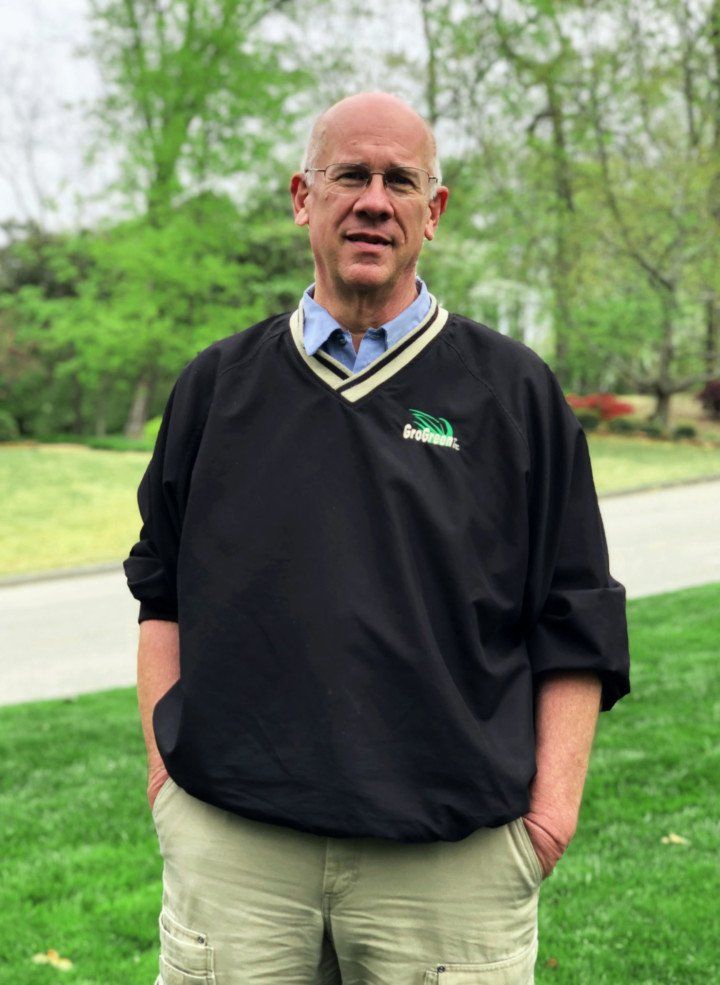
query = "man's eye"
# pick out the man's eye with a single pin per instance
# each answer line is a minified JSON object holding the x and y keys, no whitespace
{"x":351,"y":175}
{"x":401,"y":179}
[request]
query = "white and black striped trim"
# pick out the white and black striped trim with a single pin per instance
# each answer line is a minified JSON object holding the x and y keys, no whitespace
{"x":353,"y":386}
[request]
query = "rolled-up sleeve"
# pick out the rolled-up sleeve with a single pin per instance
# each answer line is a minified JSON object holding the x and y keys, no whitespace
{"x":151,"y":567}
{"x":577,"y":609}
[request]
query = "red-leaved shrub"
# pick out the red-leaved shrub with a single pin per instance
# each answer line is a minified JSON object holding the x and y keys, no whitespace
{"x":606,"y":404}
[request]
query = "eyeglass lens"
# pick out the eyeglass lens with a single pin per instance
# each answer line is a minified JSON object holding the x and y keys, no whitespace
{"x":353,"y":177}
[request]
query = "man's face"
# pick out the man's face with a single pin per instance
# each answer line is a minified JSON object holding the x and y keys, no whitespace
{"x":368,"y":241}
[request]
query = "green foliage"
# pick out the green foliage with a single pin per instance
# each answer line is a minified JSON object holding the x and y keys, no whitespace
{"x":195,"y":91}
{"x":653,"y":430}
{"x":588,"y":418}
{"x":8,"y":426}
{"x":684,"y":431}
{"x":150,"y":431}
{"x":623,"y":425}
{"x":88,"y":315}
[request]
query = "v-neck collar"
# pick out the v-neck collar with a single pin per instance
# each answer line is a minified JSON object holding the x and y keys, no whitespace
{"x":353,"y":386}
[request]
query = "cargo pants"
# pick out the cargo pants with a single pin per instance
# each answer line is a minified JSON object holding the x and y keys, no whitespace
{"x":250,"y":903}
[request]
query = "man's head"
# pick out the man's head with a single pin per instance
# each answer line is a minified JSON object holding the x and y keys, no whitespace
{"x":367,"y":240}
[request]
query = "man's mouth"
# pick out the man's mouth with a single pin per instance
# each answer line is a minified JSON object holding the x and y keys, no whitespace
{"x":375,"y":239}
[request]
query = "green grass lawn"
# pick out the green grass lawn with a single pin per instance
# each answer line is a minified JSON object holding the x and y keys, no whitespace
{"x":81,"y":873}
{"x":622,"y":463}
{"x":71,"y":505}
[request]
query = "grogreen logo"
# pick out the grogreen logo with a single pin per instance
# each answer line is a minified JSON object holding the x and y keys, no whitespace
{"x":429,"y":429}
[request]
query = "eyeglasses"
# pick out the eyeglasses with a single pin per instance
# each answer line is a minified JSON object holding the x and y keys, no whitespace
{"x":400,"y":182}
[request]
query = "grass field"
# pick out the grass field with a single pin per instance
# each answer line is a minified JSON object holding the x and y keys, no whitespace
{"x":81,"y":873}
{"x":72,"y":505}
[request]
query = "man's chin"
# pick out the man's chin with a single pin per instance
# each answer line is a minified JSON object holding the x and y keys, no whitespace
{"x":367,"y":275}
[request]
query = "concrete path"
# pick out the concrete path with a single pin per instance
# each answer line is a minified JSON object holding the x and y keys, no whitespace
{"x":66,"y":636}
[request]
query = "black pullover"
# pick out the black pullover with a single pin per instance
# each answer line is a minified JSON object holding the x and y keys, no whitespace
{"x":371,"y":573}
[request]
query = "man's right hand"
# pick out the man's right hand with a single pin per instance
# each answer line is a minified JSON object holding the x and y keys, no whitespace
{"x":156,"y":778}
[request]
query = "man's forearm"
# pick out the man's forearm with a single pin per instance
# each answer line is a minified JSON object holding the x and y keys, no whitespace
{"x":567,"y":708}
{"x":158,"y":667}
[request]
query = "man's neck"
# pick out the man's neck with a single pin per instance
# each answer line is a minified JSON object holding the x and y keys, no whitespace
{"x":358,"y":311}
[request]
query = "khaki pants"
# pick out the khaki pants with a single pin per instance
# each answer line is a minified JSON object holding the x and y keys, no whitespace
{"x":250,"y":903}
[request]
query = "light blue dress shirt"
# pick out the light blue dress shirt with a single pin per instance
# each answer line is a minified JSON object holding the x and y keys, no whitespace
{"x":320,"y":330}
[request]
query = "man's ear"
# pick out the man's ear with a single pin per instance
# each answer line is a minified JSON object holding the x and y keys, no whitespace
{"x":299,"y":192}
{"x":436,"y":206}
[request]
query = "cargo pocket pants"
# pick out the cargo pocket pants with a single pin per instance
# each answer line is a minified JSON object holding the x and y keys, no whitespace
{"x":250,"y":903}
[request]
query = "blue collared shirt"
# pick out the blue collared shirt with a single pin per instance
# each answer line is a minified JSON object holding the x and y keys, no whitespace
{"x":320,"y":330}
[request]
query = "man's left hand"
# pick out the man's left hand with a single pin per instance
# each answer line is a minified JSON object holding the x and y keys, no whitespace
{"x":549,"y":845}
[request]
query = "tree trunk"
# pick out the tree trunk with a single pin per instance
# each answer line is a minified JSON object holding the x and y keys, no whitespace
{"x":101,"y":413}
{"x":78,"y":424}
{"x":661,"y":411}
{"x":431,"y":84}
{"x":662,"y":386}
{"x":138,"y":414}
{"x":712,"y":336}
{"x":562,"y":275}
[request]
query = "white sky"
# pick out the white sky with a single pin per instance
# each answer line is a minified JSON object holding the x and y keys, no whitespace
{"x":44,"y":83}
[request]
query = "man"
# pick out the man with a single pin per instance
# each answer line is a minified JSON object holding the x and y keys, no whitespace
{"x":377,"y":621}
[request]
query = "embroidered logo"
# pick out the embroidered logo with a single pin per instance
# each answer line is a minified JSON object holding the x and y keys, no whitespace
{"x":429,"y":429}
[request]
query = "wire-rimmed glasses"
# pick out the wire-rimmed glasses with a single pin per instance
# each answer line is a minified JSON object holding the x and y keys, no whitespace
{"x":400,"y":181}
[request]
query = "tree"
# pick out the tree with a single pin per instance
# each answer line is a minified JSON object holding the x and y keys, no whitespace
{"x":194,"y":92}
{"x":108,"y":318}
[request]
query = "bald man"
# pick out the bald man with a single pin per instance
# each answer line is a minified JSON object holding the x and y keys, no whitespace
{"x":376,"y":618}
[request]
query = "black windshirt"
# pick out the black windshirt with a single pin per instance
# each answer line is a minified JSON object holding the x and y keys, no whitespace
{"x":371,"y":573}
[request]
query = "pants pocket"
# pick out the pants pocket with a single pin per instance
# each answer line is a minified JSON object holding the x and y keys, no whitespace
{"x":186,"y":958}
{"x":161,"y":795}
{"x":528,"y":849}
{"x":518,"y":969}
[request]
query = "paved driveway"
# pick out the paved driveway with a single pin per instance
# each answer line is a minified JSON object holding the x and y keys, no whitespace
{"x":65,"y":636}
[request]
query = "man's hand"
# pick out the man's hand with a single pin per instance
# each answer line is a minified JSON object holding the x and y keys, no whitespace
{"x":549,"y":848}
{"x":156,"y":778}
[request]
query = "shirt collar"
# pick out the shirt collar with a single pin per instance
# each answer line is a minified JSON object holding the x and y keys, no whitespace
{"x":319,"y":324}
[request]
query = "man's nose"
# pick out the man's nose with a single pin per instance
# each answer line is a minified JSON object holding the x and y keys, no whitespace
{"x":374,"y":199}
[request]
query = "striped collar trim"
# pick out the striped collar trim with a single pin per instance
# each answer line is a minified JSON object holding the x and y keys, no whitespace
{"x":353,"y":386}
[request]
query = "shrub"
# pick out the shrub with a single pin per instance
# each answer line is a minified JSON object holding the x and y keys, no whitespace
{"x":653,"y":430}
{"x":118,"y":442}
{"x":588,"y":419}
{"x":8,"y":426}
{"x":684,"y":431}
{"x":606,"y":404}
{"x":151,"y":428}
{"x":623,"y":425}
{"x":709,"y":397}
{"x":110,"y":442}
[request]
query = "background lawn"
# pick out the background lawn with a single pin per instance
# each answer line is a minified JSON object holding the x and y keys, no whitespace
{"x":81,"y":873}
{"x":71,"y":505}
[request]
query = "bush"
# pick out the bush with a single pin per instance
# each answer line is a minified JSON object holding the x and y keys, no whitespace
{"x":709,"y":397}
{"x":623,"y":425}
{"x":151,"y":428}
{"x":110,"y":442}
{"x":606,"y":404}
{"x":653,"y":430}
{"x":588,"y":419}
{"x":8,"y":426}
{"x":118,"y":442}
{"x":684,"y":431}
